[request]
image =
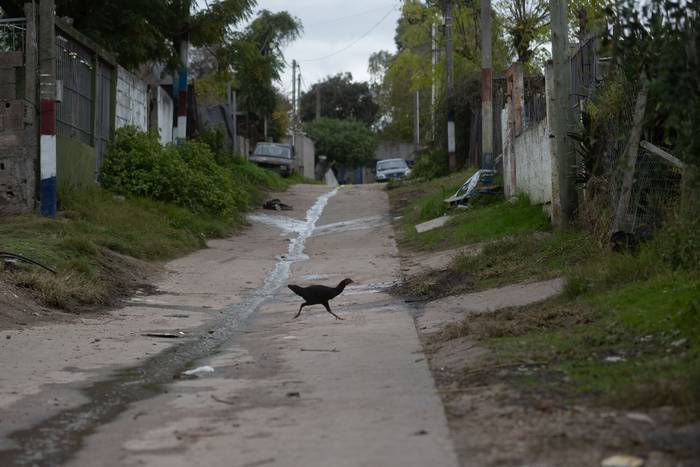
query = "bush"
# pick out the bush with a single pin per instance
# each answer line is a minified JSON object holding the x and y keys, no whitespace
{"x":187,"y":175}
{"x":430,"y":165}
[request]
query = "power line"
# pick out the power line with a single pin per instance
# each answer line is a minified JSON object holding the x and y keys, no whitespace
{"x":335,"y":20}
{"x":356,"y":40}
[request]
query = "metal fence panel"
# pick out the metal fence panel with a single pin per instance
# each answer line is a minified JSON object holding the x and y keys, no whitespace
{"x":103,"y":124}
{"x":74,"y":68}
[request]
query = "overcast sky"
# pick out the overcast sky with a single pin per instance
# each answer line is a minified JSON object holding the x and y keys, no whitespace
{"x":333,"y":25}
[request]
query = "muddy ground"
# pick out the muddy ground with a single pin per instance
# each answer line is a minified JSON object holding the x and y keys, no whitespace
{"x":496,"y":419}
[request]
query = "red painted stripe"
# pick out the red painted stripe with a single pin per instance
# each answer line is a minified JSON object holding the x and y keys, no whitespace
{"x":182,"y":104}
{"x":48,"y":117}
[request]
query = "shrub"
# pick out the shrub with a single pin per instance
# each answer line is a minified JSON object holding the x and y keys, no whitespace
{"x":430,"y":165}
{"x":187,"y":175}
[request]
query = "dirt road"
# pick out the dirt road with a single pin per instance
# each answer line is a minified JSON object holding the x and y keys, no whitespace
{"x":311,"y":392}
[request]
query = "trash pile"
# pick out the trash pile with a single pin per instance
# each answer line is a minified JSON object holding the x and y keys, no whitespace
{"x":481,"y":183}
{"x":276,"y":205}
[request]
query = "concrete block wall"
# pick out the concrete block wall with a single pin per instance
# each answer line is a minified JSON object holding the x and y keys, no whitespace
{"x":527,"y":157}
{"x":533,"y":163}
{"x":17,"y":137}
{"x":132,"y":101}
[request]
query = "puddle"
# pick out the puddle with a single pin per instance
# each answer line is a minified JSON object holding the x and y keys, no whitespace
{"x":54,"y":441}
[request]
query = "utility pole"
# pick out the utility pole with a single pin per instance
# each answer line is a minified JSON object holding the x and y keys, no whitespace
{"x":298,"y":99}
{"x":294,"y":97}
{"x":452,"y":159}
{"x":182,"y":90}
{"x":234,"y":111}
{"x":486,"y":88}
{"x":563,"y":113}
{"x":318,"y":101}
{"x":416,"y":137}
{"x":47,"y":95}
{"x":433,"y":87}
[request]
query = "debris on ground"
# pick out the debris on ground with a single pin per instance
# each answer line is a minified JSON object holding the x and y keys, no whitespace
{"x":276,"y":205}
{"x":479,"y":183}
{"x":622,"y":460}
{"x":294,"y":394}
{"x":13,"y":257}
{"x":432,"y":224}
{"x":164,"y":335}
{"x":319,"y":350}
{"x":199,"y":370}
{"x":331,"y":181}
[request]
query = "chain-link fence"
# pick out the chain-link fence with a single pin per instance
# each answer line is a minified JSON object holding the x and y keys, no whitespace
{"x":605,"y":110}
{"x":655,"y":192}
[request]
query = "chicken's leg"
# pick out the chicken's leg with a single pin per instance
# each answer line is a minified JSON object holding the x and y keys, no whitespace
{"x":328,"y":309}
{"x":299,"y":312}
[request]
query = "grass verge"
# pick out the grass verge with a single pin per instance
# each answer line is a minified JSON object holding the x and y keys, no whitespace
{"x":102,"y":245}
{"x":626,"y":332}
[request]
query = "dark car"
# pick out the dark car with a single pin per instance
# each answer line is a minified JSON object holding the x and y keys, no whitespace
{"x":275,"y":156}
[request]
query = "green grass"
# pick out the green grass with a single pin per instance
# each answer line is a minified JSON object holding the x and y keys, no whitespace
{"x":481,"y":223}
{"x":521,"y":258}
{"x":488,"y":218}
{"x":642,"y":309}
{"x":653,"y":325}
{"x":93,"y":226}
{"x":526,"y":257}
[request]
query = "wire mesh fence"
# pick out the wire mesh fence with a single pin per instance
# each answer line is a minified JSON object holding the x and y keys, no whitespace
{"x":12,"y":34}
{"x":656,"y":186}
{"x":655,"y":192}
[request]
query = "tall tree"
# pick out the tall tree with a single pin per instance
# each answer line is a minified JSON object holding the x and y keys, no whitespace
{"x":346,"y":142}
{"x":256,"y":58}
{"x":527,"y":24}
{"x":410,"y":69}
{"x":341,"y":98}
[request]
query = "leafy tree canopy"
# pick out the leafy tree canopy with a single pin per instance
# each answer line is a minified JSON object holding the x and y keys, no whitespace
{"x":347,"y":142}
{"x":397,"y":77}
{"x":139,"y":31}
{"x":341,"y":98}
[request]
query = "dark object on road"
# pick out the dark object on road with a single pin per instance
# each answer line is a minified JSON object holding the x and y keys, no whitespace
{"x":625,"y":242}
{"x":5,"y":254}
{"x":163,"y":335}
{"x":319,"y":295}
{"x":276,"y":205}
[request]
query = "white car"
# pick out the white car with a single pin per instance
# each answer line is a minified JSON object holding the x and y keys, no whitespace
{"x":389,"y":169}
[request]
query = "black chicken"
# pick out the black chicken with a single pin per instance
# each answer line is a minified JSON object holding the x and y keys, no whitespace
{"x":319,"y":295}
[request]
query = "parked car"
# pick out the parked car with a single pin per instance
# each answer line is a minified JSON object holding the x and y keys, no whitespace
{"x":388,"y":169}
{"x":275,"y":156}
